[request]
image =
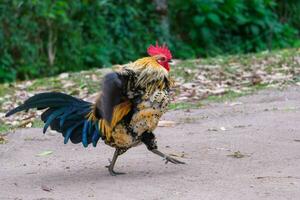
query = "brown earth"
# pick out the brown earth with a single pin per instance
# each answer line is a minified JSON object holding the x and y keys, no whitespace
{"x":245,"y":149}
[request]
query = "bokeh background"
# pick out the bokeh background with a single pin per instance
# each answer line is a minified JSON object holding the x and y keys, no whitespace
{"x":47,"y":37}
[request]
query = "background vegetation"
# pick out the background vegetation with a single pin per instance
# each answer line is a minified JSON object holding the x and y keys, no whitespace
{"x":43,"y":38}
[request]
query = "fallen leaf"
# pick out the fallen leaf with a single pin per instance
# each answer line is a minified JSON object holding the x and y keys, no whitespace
{"x":46,"y":188}
{"x":2,"y":140}
{"x":68,"y":84}
{"x":223,"y":128}
{"x":277,"y":177}
{"x":63,"y":75}
{"x":223,"y":149}
{"x":29,"y":125}
{"x":26,"y":123}
{"x":219,"y":91}
{"x":237,"y":154}
{"x":181,"y":155}
{"x":15,"y":123}
{"x":166,"y":123}
{"x":240,"y":126}
{"x":2,"y":115}
{"x":45,"y":153}
{"x":256,"y":79}
{"x":235,"y":103}
{"x":212,"y":129}
{"x":35,"y":139}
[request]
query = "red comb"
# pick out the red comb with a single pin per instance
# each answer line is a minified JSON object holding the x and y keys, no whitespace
{"x":156,"y":50}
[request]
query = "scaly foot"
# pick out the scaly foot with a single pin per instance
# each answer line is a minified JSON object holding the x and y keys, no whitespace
{"x":173,"y":160}
{"x":167,"y":158}
{"x":111,"y":170}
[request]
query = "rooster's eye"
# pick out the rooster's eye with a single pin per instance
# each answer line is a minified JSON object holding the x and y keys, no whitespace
{"x":162,"y":59}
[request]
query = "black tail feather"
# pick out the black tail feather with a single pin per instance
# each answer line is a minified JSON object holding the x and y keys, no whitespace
{"x":46,"y":100}
{"x":65,"y":114}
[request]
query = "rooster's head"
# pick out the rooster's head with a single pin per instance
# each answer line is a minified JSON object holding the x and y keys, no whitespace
{"x":162,"y":54}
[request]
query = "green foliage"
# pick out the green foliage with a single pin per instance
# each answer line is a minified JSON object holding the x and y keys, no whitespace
{"x":229,"y":26}
{"x":48,"y":37}
{"x":43,"y":38}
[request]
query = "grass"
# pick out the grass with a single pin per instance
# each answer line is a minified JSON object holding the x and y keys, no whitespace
{"x":228,"y":96}
{"x":5,"y":128}
{"x":4,"y":89}
{"x":185,"y":105}
{"x":184,"y":70}
{"x":45,"y":83}
{"x":37,"y":123}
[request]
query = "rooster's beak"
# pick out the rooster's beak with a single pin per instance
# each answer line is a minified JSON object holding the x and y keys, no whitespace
{"x":171,"y":62}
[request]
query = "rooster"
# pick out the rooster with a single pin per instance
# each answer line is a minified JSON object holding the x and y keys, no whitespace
{"x":124,"y":115}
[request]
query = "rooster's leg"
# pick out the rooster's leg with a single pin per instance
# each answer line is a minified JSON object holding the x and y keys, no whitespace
{"x":148,"y":138}
{"x":113,"y":162}
{"x":166,"y":157}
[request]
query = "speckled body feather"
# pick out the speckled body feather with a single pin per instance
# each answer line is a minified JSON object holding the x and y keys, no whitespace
{"x":146,"y":97}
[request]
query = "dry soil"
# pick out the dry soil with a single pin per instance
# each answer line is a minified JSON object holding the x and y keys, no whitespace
{"x":245,"y":149}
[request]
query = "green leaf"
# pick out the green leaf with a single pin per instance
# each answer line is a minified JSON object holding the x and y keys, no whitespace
{"x":199,"y":20}
{"x":214,"y":18}
{"x":241,"y":19}
{"x":45,"y":153}
{"x":254,"y":30}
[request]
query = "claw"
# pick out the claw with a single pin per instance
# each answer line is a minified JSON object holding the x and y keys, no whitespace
{"x":167,"y":158}
{"x":113,"y":162}
{"x":173,"y":160}
{"x":113,"y":172}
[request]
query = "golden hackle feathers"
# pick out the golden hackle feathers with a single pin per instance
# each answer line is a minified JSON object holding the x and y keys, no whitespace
{"x":150,"y":74}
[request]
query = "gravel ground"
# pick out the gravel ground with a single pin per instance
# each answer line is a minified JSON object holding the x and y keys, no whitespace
{"x":245,"y":149}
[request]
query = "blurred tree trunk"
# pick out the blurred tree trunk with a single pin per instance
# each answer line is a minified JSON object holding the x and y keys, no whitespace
{"x":51,"y":49}
{"x":162,"y":9}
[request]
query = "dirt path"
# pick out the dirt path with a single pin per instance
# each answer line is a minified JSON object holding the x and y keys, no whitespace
{"x":265,"y":128}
